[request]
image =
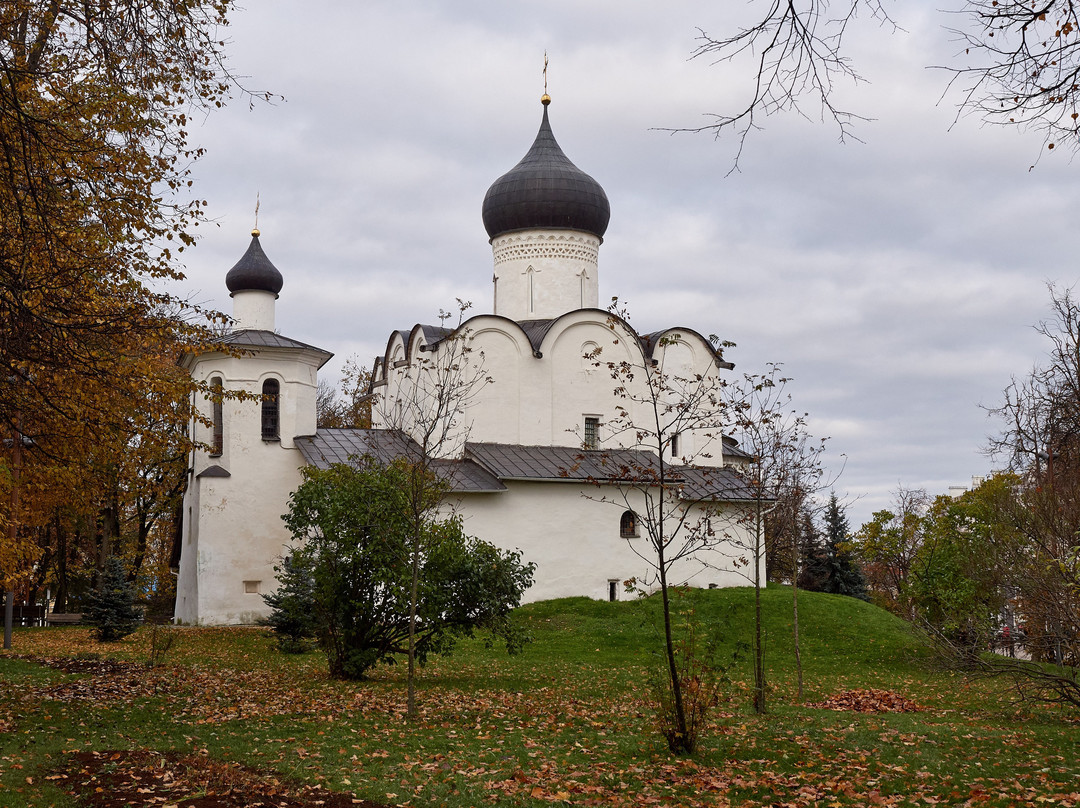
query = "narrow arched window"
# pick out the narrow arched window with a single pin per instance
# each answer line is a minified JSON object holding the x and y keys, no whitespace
{"x":217,"y":443}
{"x":628,"y":525}
{"x":271,"y":409}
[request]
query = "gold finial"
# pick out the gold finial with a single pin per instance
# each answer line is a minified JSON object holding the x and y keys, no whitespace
{"x":545,"y":99}
{"x":255,"y":230}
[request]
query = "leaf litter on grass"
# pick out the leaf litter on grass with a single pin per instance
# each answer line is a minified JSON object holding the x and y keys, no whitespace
{"x":117,"y":779}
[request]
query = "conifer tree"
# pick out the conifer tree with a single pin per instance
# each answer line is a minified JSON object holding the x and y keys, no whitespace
{"x":111,"y":608}
{"x":839,"y":573}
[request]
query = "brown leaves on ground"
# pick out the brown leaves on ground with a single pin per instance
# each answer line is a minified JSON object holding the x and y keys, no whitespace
{"x":169,"y":779}
{"x":868,"y":701}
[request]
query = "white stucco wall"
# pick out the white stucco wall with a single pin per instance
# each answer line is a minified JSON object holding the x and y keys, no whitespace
{"x":574,"y":541}
{"x":233,"y":534}
{"x":540,"y":274}
{"x":255,"y":309}
{"x":540,"y":395}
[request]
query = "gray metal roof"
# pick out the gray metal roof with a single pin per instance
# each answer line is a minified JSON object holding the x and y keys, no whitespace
{"x":545,"y":190}
{"x":511,"y":461}
{"x":731,"y":449}
{"x":329,"y":446}
{"x":254,"y":338}
{"x":254,"y":271}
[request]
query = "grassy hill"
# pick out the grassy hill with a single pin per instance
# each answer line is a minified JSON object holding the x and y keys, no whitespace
{"x":569,"y":721}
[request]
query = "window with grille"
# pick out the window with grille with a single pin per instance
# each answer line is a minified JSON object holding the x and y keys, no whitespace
{"x":271,"y":409}
{"x":592,"y":432}
{"x":218,"y":442}
{"x":628,"y":525}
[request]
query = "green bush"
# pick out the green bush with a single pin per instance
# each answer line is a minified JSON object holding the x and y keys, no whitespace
{"x":351,"y":571}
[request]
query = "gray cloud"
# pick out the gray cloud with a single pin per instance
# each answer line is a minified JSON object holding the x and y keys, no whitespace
{"x":895,"y":279}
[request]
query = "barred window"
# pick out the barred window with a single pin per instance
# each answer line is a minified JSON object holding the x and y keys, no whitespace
{"x":217,"y":444}
{"x":271,"y":394}
{"x":592,"y":432}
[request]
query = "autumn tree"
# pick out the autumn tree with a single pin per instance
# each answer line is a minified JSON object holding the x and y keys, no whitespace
{"x":782,"y":476}
{"x":348,"y":404}
{"x":1017,"y":64}
{"x":959,"y":582}
{"x":96,"y":101}
{"x":1040,"y":444}
{"x":887,"y":546}
{"x":666,"y":468}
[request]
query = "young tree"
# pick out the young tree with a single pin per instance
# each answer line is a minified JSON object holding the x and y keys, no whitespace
{"x":427,"y":400}
{"x":785,"y":467}
{"x":669,"y":473}
{"x":354,"y":555}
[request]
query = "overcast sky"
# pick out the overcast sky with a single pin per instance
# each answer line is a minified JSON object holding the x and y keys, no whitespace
{"x":897,"y":279}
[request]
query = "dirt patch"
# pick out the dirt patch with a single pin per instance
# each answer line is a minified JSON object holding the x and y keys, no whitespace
{"x":868,"y":701}
{"x":91,"y":665}
{"x":178,"y":780}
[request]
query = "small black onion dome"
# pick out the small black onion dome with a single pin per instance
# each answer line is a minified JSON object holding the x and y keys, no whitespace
{"x":546,"y":190}
{"x":254,"y":272}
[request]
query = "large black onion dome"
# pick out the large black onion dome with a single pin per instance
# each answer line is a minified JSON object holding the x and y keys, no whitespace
{"x":546,"y":190}
{"x":254,"y":272}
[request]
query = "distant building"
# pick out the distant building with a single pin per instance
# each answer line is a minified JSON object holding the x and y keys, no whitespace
{"x":532,"y":441}
{"x":957,"y":491}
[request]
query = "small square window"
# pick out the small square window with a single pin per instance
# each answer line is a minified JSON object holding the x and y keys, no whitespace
{"x":251,"y":587}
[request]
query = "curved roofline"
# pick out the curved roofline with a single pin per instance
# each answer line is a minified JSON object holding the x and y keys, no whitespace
{"x":545,"y":189}
{"x":535,"y":333}
{"x":254,"y":272}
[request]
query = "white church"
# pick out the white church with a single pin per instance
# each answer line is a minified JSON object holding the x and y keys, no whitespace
{"x":534,"y":448}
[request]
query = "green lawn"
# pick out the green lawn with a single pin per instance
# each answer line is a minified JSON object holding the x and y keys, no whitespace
{"x":569,"y":721}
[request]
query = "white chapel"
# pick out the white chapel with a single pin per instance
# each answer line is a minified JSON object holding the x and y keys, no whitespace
{"x":530,"y":448}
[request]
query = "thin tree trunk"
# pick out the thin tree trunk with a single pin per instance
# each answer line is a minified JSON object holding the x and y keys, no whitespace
{"x":13,"y":523}
{"x":60,"y":604}
{"x":673,"y":668}
{"x":796,"y":554}
{"x":795,"y":628}
{"x":759,"y":653}
{"x":410,"y":708}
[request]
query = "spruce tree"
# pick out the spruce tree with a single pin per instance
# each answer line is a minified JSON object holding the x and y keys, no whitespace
{"x":841,"y":574}
{"x":111,"y":608}
{"x":292,"y":617}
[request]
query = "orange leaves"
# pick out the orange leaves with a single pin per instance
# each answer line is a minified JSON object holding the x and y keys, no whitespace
{"x":869,"y":701}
